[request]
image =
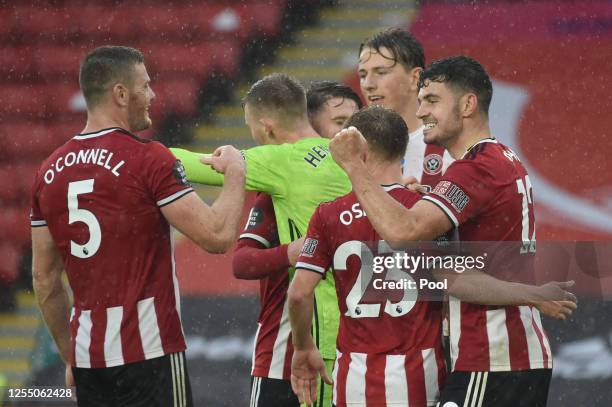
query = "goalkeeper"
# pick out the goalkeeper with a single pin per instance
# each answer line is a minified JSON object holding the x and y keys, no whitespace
{"x":293,"y":165}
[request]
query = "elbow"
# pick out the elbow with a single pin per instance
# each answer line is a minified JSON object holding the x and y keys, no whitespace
{"x":296,"y":296}
{"x":216,"y":244}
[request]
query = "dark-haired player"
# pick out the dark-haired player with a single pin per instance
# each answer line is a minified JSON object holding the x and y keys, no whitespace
{"x":103,"y":206}
{"x":500,"y":354}
{"x":389,"y":349}
{"x":390,"y":63}
{"x":330,"y":104}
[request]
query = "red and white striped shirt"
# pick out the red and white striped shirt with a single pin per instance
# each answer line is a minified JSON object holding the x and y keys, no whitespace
{"x":273,"y":349}
{"x":100,"y":196}
{"x":389,"y":349}
{"x":487,"y":196}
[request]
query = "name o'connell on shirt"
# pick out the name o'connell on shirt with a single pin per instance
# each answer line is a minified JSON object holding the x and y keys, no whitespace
{"x":95,"y":156}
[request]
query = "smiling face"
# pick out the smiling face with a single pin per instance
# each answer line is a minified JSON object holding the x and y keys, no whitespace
{"x":333,"y":114}
{"x":386,"y":82}
{"x":440,"y":110}
{"x":140,"y":97}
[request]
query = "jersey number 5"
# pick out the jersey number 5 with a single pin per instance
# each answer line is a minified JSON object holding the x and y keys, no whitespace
{"x":76,"y":214}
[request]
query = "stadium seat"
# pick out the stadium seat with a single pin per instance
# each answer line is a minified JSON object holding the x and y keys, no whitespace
{"x":262,"y":18}
{"x":45,"y":23}
{"x":16,"y":63}
{"x":15,"y":225}
{"x":64,"y":100}
{"x":9,"y":266}
{"x":10,"y":192}
{"x":225,"y":56}
{"x":59,"y":61}
{"x":178,"y":60}
{"x":22,"y":101}
{"x":24,"y":140}
{"x":178,"y":96}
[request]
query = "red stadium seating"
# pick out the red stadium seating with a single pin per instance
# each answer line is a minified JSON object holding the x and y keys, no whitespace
{"x":23,"y":101}
{"x":175,"y":96}
{"x":59,"y":61}
{"x":178,"y":60}
{"x":10,"y":191}
{"x":14,"y":223}
{"x":25,"y":140}
{"x":9,"y":253}
{"x":16,"y":63}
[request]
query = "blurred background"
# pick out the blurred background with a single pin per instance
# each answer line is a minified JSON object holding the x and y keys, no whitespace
{"x":551,"y":62}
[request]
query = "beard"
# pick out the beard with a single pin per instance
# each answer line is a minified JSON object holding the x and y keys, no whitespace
{"x":452,"y":129}
{"x":138,"y":119}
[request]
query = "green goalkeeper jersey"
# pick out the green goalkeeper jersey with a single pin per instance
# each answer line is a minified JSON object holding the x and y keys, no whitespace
{"x":298,"y":177}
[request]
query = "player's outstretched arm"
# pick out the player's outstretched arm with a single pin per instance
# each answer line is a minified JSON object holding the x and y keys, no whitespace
{"x":307,"y":363}
{"x":477,"y":287}
{"x":50,"y":293}
{"x":395,"y":223}
{"x":195,"y":170}
{"x":213,"y":228}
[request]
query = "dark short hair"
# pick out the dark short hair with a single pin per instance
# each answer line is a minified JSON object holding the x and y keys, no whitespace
{"x":404,"y":47}
{"x":384,"y":129}
{"x":320,"y":92}
{"x":105,"y":66}
{"x":463,"y":74}
{"x":279,"y":94}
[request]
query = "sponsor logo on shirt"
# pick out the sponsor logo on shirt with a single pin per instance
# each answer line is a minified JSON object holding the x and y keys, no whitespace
{"x":310,"y":245}
{"x":432,"y":164}
{"x":255,"y":217}
{"x":179,"y":173}
{"x":452,"y":194}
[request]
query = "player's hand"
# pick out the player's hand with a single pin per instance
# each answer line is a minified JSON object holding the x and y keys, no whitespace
{"x":225,"y":158}
{"x":306,"y":366}
{"x":294,"y":249}
{"x":556,"y":291}
{"x":557,"y":309}
{"x":412,"y":184}
{"x":348,"y":148}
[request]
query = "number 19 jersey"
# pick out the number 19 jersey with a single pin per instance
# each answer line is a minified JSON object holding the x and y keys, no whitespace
{"x":389,"y":349}
{"x":100,"y":196}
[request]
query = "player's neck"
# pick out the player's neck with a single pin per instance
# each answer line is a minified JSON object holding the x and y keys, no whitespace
{"x":468,"y":137}
{"x":410,"y":117}
{"x":386,"y":173}
{"x":298,"y":133}
{"x":99,"y":120}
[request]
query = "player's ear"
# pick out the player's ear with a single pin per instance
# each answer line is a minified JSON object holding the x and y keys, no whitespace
{"x":268,"y":126}
{"x":120,"y":94}
{"x":415,"y":74}
{"x":469,"y":104}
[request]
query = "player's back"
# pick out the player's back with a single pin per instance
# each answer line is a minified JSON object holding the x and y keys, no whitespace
{"x":374,"y":319}
{"x":100,"y":195}
{"x":389,"y":349}
{"x":298,"y":176}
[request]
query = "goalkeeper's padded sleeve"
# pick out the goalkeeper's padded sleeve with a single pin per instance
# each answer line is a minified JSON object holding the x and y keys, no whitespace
{"x":195,"y":170}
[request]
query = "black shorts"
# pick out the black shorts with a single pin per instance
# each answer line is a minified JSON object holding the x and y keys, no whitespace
{"x":159,"y":382}
{"x":526,"y":388}
{"x":266,"y":392}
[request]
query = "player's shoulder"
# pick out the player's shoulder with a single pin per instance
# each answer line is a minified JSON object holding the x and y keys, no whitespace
{"x":402,"y":194}
{"x":488,"y":156}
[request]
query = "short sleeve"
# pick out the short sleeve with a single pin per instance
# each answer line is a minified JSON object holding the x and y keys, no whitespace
{"x":316,"y":252}
{"x":36,"y":216}
{"x":464,"y":191}
{"x":261,"y":224}
{"x":166,"y":176}
{"x":267,"y":168}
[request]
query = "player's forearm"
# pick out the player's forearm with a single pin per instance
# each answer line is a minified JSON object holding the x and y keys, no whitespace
{"x":393,"y":222}
{"x":195,"y":170}
{"x":227,"y":209}
{"x":54,"y":305}
{"x":254,"y":263}
{"x":480,"y":288}
{"x":300,"y":306}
